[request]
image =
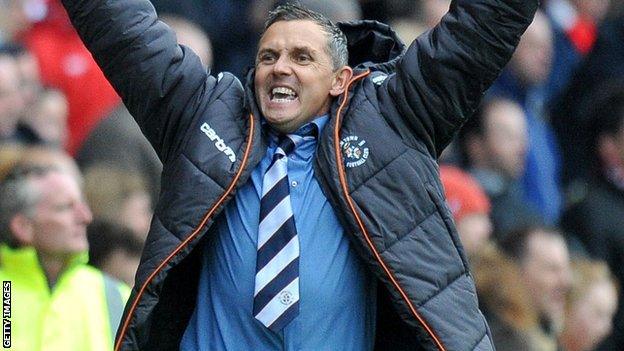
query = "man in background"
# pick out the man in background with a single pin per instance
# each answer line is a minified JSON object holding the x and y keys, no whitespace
{"x":493,"y":145}
{"x":594,"y":218}
{"x":58,"y":302}
{"x":544,"y":261}
{"x":11,"y":101}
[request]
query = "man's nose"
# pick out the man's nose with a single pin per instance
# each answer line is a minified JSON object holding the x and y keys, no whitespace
{"x":282,"y":66}
{"x":83,"y":213}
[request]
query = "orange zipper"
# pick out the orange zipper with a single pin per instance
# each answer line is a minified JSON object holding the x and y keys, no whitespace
{"x":208,"y":215}
{"x":345,"y":189}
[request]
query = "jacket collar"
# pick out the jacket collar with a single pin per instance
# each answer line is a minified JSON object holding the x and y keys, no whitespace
{"x":372,"y":45}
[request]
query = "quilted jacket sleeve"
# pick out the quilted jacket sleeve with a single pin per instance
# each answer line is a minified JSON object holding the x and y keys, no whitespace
{"x":440,"y":80}
{"x":160,"y":82}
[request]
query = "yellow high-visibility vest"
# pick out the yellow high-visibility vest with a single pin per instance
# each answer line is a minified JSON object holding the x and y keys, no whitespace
{"x":80,"y":313}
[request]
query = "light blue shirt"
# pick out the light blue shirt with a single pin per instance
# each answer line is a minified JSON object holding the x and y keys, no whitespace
{"x":337,"y":293}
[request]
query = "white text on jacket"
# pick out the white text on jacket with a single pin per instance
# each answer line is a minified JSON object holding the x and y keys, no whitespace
{"x":218,"y":142}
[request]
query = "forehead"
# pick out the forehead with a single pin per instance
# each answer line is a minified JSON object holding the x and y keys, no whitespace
{"x":56,"y":186}
{"x":505,"y":113}
{"x":294,"y":34}
{"x":547,"y":247}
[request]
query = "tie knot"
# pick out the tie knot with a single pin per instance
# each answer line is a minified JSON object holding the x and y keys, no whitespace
{"x":287,"y":143}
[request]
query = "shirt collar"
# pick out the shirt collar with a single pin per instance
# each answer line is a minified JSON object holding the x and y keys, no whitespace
{"x":320,"y":122}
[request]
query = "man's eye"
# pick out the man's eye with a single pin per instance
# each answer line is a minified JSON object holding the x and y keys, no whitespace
{"x":303,"y":58}
{"x":267,"y":58}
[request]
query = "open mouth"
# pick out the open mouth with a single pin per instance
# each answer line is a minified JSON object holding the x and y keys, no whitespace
{"x":282,"y":94}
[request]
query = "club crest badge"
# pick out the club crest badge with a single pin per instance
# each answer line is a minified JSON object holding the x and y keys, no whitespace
{"x":354,"y":151}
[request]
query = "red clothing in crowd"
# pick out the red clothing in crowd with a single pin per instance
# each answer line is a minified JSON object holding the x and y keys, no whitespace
{"x":67,"y":65}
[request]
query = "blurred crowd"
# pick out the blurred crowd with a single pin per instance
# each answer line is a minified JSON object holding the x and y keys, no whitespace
{"x":534,"y":181}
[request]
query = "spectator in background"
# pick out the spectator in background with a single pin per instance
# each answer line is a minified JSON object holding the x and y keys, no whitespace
{"x":41,"y":114}
{"x":191,"y":35}
{"x":10,"y":154}
{"x":426,"y":14}
{"x":433,"y":10}
{"x":13,"y":19}
{"x":590,"y":308}
{"x":41,"y":155}
{"x":595,"y":218}
{"x":524,"y":81}
{"x":28,"y":72}
{"x":28,"y":67}
{"x":130,"y":151}
{"x":65,"y":64}
{"x":60,"y":303}
{"x":114,"y":250}
{"x":228,"y":23}
{"x":544,"y":261}
{"x":493,"y":144}
{"x":505,"y":302}
{"x":120,"y":197}
{"x":11,"y":101}
{"x":45,"y":120}
{"x":575,"y":29}
{"x":470,"y":208}
{"x":572,"y":113}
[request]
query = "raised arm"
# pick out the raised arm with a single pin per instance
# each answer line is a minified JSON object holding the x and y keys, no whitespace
{"x":160,"y":82}
{"x":444,"y":73}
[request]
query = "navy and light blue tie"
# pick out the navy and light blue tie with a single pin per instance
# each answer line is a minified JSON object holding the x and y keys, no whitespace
{"x":276,"y":295}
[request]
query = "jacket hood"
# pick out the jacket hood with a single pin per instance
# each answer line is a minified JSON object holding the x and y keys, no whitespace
{"x":372,"y":45}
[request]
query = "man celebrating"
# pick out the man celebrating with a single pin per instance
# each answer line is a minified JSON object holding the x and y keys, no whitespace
{"x":287,"y":199}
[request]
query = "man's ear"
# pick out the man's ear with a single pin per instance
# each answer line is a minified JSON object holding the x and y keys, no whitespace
{"x":340,"y":80}
{"x":22,"y":230}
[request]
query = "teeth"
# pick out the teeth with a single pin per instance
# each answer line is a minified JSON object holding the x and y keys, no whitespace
{"x":283,"y":90}
{"x":283,"y":94}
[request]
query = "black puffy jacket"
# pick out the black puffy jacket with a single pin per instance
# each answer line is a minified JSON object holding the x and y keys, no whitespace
{"x":401,"y":109}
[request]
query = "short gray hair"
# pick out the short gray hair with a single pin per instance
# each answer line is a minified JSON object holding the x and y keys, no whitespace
{"x":18,"y":195}
{"x":336,"y":41}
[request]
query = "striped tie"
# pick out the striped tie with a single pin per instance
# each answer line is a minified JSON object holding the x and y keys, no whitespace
{"x":276,"y":295}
